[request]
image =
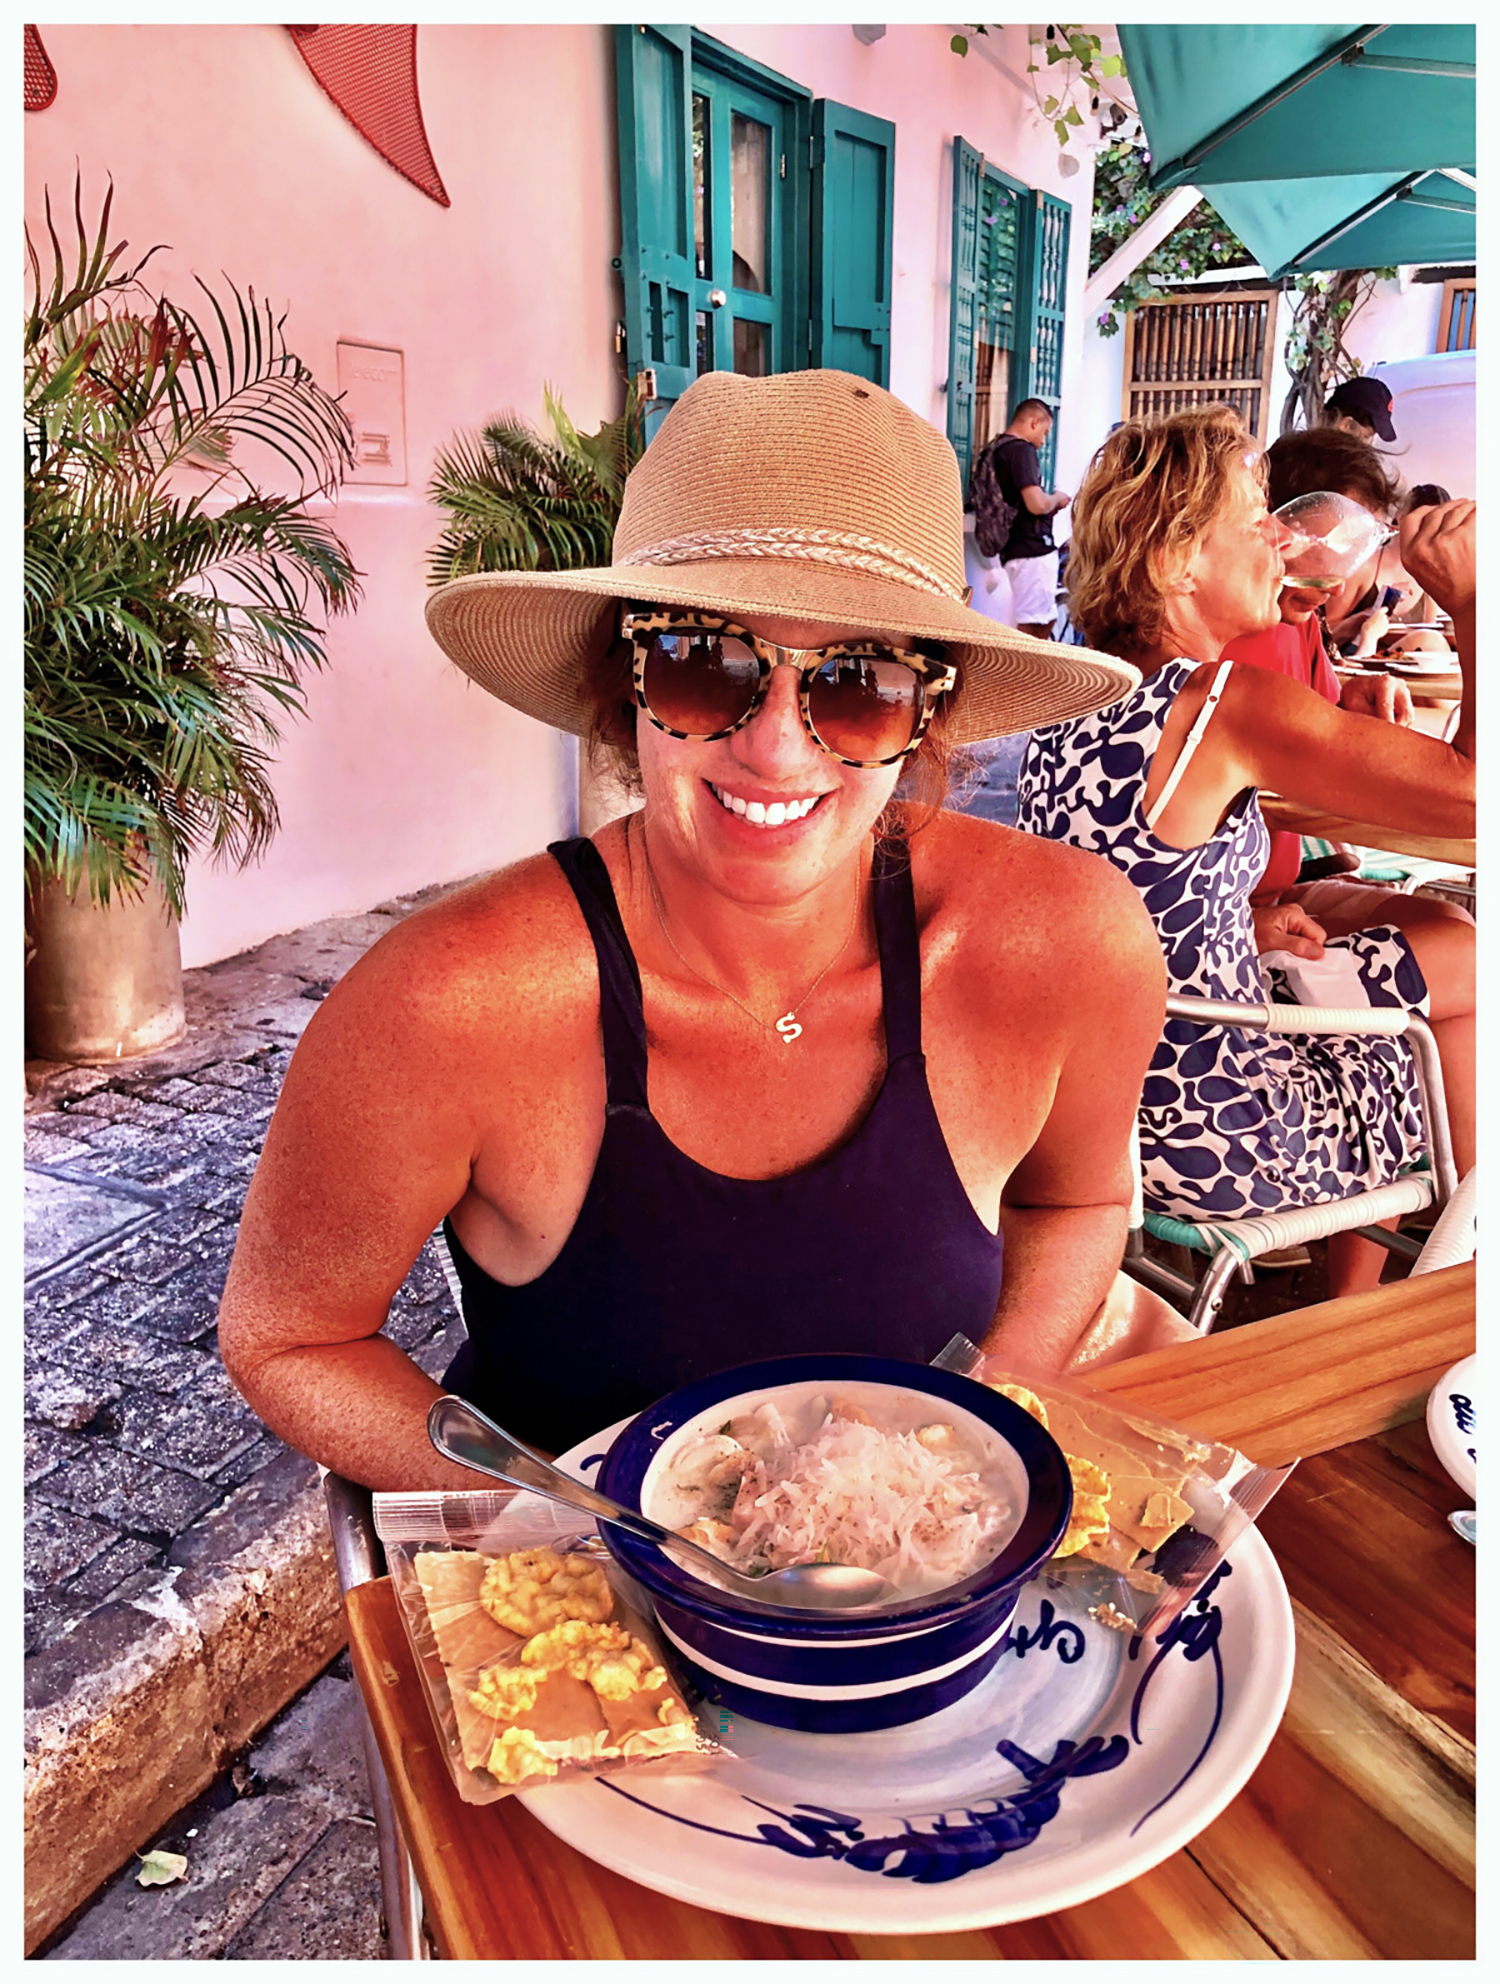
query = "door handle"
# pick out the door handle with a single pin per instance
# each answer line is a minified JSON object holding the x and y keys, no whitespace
{"x":717,"y":298}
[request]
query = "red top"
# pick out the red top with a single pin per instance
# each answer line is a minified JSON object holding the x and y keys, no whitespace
{"x":1297,"y":652}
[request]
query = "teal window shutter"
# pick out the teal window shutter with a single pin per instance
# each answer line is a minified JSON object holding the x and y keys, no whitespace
{"x":1044,"y":311}
{"x":653,"y":88}
{"x":852,"y":197}
{"x":963,"y":309}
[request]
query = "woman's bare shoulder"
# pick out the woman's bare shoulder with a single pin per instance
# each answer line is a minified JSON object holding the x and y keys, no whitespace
{"x":511,"y":950}
{"x":1015,"y":899}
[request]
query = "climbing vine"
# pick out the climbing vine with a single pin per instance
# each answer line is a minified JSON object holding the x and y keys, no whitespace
{"x":1123,"y":200}
{"x":1315,"y":353}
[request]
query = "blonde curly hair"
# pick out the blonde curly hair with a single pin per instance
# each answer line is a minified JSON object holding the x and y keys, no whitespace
{"x":1150,"y":494}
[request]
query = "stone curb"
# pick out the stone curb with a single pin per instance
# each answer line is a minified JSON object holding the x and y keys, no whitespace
{"x":139,"y":1708}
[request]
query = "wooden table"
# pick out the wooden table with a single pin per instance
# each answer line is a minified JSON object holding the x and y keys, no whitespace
{"x":1290,"y":816}
{"x":1354,"y":1837}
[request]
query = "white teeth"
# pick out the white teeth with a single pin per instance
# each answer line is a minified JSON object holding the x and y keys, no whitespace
{"x":779,"y":813}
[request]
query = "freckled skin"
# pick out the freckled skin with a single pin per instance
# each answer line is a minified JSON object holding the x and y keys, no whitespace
{"x":457,"y":1068}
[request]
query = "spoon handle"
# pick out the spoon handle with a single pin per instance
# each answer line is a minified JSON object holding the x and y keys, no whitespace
{"x":463,"y":1434}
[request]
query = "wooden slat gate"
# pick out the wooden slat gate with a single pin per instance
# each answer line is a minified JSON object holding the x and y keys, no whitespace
{"x":1202,"y":351}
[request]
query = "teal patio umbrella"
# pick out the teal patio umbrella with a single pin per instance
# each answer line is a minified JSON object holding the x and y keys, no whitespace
{"x":1323,"y":147}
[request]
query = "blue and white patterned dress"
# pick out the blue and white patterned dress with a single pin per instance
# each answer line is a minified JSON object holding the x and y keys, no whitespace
{"x":1232,"y":1123}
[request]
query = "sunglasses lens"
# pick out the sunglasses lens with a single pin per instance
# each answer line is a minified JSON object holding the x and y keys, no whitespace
{"x":865,"y":708}
{"x":699,"y":682}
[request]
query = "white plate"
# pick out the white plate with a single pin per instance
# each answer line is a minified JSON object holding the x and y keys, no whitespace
{"x":1083,"y":1759}
{"x":1421,"y":662}
{"x":1451,"y":1423}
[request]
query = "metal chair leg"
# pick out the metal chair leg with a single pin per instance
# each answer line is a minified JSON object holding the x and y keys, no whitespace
{"x":359,"y":1557}
{"x":1209,"y":1299}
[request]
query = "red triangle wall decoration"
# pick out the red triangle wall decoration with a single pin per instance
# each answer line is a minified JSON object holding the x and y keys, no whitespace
{"x":371,"y":74}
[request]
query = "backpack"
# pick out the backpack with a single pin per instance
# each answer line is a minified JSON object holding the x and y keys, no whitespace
{"x":994,"y":513}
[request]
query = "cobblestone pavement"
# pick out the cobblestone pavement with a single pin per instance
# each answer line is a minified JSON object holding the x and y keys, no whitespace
{"x":135,"y":1438}
{"x":281,"y":1854}
{"x":133,"y":1430}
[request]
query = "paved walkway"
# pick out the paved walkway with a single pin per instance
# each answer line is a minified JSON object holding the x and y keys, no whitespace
{"x":151,"y":1489}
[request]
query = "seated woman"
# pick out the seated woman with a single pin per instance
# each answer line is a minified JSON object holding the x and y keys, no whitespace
{"x":786,"y":1060}
{"x":1174,"y":553}
{"x":1298,"y":917}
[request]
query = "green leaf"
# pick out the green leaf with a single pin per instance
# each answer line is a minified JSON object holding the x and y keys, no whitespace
{"x":1072,"y":116}
{"x":1051,"y":107}
{"x":1112,"y":65}
{"x":1060,"y":126}
{"x":959,"y":44}
{"x":159,"y":1870}
{"x":1056,"y":54}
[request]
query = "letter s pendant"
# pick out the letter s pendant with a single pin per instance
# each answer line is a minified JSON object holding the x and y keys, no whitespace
{"x":788,"y":1028}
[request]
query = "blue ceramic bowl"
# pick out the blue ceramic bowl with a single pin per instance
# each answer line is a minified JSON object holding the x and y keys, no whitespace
{"x":836,"y":1672}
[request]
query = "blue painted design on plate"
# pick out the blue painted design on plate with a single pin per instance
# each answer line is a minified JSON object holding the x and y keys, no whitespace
{"x":1196,"y":1631}
{"x":953,"y":1846}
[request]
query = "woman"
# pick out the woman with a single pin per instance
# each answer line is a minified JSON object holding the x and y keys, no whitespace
{"x":782,"y":1061}
{"x":1174,"y":552}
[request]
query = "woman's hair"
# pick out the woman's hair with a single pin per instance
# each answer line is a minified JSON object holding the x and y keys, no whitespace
{"x":1151,"y":492}
{"x":927,"y":777}
{"x":1330,"y":458}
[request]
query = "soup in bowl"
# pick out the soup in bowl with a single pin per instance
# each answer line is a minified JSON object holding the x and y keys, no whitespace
{"x":950,"y":1491}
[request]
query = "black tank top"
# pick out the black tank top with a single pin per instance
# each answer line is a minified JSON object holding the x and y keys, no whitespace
{"x":672,"y":1272}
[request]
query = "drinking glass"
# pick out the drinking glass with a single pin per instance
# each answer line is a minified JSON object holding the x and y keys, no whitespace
{"x":1330,"y":538}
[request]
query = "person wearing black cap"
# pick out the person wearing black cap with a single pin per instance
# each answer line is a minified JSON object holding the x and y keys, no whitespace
{"x":1361,"y":406}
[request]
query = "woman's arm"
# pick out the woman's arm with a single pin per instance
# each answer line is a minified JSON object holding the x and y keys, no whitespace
{"x":1065,"y":1207}
{"x":1271,"y":732}
{"x":433,"y":1038}
{"x":368,"y":1149}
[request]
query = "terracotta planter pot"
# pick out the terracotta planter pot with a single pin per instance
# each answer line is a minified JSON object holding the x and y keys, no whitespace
{"x":103,"y":984}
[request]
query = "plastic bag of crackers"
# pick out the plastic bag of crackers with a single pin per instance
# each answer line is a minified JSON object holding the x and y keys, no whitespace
{"x":1155,"y":1510}
{"x":534,"y":1650}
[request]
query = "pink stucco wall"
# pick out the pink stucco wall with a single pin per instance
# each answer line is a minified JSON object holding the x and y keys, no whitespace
{"x":221,"y":144}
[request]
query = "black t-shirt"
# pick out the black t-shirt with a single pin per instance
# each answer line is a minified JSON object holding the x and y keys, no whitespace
{"x":1017,"y":467}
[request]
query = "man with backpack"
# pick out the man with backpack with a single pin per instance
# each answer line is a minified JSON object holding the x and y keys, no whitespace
{"x":1013,"y":516}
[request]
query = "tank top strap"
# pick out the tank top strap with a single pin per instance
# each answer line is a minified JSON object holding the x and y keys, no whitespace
{"x":620,"y":1013}
{"x":900,"y":953}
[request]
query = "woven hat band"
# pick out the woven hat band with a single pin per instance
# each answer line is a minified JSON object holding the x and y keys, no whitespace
{"x":826,"y":547}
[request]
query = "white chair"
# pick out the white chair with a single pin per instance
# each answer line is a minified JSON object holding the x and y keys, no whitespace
{"x":1233,"y":1245}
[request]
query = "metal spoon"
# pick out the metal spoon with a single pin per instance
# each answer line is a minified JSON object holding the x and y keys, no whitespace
{"x":462,"y":1433}
{"x":1466,"y":1523}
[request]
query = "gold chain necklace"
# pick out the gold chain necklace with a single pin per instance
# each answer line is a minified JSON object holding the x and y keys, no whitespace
{"x":787,"y":1025}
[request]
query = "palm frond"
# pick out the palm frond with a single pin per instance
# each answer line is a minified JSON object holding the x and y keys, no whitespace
{"x":518,"y":501}
{"x":165,"y":639}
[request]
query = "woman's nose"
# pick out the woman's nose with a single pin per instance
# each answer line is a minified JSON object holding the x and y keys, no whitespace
{"x":775,"y":735}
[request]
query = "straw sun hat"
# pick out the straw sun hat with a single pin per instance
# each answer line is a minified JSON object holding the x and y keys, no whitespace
{"x":809,"y":495}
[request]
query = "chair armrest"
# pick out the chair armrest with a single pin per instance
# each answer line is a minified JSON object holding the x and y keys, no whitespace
{"x":357,"y":1550}
{"x":1267,"y":1016}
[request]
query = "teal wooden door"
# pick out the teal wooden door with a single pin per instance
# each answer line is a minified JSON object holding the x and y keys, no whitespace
{"x":742,"y":279}
{"x":988,"y":215}
{"x":854,"y":163}
{"x":653,"y":66}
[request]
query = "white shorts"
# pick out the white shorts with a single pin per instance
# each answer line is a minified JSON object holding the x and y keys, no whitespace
{"x":1033,"y":590}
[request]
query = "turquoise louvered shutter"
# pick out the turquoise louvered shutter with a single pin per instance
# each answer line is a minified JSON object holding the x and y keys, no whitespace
{"x":963,"y":307}
{"x":653,"y":67}
{"x":1045,"y":309}
{"x":853,"y":174}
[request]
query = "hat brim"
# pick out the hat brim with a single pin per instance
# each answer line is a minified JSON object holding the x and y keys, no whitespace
{"x":526,"y":636}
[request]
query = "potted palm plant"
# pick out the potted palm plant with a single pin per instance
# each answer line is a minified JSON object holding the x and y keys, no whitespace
{"x":177,"y":583}
{"x":517,"y":500}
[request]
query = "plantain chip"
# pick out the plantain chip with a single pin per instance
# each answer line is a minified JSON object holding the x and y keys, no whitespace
{"x":1027,"y":1400}
{"x":1089,"y":1521}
